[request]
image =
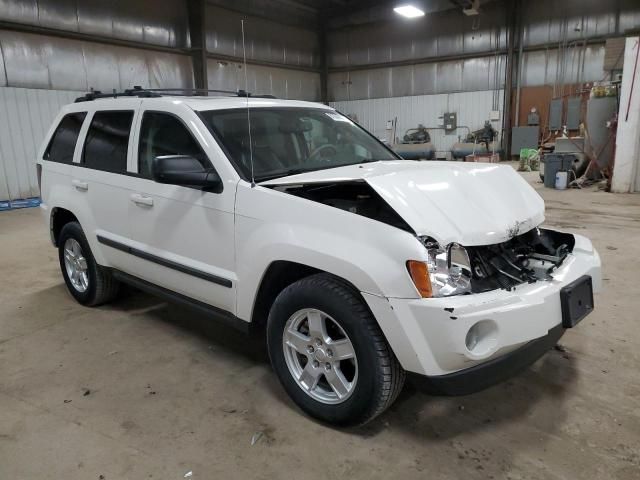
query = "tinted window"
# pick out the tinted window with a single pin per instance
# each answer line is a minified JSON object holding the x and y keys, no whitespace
{"x":107,"y":139}
{"x":63,"y":141}
{"x":164,"y":134}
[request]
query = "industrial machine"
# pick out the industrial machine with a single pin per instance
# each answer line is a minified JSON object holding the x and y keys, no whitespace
{"x":477,"y":142}
{"x":416,"y":144}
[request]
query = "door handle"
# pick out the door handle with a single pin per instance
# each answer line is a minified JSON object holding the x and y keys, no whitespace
{"x":141,"y":200}
{"x":81,"y":186}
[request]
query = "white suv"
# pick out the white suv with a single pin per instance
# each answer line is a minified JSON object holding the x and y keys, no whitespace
{"x":360,"y":266}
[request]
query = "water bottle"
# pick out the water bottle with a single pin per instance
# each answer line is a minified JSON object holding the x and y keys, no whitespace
{"x":561,"y":180}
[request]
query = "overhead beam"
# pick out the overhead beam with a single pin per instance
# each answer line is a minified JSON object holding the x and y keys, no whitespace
{"x":196,"y":10}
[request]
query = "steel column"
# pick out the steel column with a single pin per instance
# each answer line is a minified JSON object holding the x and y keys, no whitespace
{"x":196,"y":10}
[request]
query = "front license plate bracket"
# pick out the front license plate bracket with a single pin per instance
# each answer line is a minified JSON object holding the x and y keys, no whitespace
{"x":576,"y":301}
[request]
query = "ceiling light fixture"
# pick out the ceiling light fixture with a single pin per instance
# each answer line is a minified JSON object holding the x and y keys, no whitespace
{"x":409,"y":11}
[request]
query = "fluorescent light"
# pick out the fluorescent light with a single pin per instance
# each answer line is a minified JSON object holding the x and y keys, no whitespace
{"x":409,"y":11}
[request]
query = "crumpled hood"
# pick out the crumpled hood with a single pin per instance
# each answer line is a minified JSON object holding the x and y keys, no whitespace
{"x":467,"y":203}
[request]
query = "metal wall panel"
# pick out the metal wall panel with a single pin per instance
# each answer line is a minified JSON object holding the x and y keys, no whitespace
{"x":402,"y":81}
{"x":449,"y":77}
{"x":283,"y":83}
{"x":550,"y":21}
{"x":629,"y":15}
{"x":161,"y":23}
{"x":264,"y":39}
{"x":39,"y":61}
{"x":424,"y":79}
{"x":476,"y":74}
{"x":338,"y":48}
{"x":29,"y":114}
{"x":540,"y":67}
{"x":472,"y":108}
{"x":421,"y":79}
{"x":441,"y":33}
{"x":3,"y":73}
{"x":338,"y":86}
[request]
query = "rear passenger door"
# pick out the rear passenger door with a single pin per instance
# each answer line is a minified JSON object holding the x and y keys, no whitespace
{"x":100,"y":178}
{"x":183,"y":236}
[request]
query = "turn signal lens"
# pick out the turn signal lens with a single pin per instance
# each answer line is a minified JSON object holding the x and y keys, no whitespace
{"x":420,"y":276}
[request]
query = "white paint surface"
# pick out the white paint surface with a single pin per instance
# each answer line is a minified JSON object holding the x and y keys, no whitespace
{"x":626,"y":170}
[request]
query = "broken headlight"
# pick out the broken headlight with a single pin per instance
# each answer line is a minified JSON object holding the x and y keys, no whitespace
{"x":448,"y":269}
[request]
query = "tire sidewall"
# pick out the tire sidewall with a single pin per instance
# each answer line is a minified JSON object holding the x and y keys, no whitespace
{"x":303,"y":295}
{"x":73,"y":230}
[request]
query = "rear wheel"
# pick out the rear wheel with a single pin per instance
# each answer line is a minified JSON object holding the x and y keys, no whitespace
{"x":329,"y":352}
{"x":89,"y":283}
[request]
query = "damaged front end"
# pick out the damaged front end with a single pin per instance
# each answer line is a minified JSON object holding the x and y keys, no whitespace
{"x":525,"y":258}
{"x":353,"y":196}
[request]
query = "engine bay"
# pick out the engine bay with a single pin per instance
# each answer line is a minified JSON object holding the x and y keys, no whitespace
{"x":356,"y":197}
{"x":525,"y":258}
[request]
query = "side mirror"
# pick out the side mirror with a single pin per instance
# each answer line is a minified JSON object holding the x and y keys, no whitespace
{"x":185,"y":170}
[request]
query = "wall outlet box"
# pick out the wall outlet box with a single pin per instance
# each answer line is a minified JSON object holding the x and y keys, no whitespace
{"x":450,"y":122}
{"x":494,"y":115}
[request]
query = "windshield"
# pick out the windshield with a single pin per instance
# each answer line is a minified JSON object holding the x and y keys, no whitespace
{"x":287,"y":141}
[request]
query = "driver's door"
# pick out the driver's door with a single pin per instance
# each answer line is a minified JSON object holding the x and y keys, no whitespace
{"x":182,"y":237}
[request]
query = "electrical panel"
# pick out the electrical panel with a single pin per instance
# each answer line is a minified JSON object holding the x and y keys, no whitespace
{"x":573,"y":113}
{"x":450,"y":121}
{"x":524,"y":137}
{"x":555,"y":114}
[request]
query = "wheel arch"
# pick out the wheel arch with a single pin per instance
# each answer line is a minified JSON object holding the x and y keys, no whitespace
{"x":278,"y":276}
{"x":58,"y":219}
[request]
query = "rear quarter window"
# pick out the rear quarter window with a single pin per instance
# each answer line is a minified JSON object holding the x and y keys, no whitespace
{"x":105,"y":147}
{"x":63,"y":142}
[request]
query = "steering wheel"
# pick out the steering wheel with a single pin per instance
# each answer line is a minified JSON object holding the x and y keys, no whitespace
{"x":325,"y":147}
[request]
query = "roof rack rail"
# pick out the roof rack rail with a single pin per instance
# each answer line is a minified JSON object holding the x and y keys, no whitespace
{"x":138,"y":91}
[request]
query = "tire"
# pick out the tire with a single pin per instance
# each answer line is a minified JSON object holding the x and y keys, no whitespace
{"x":99,"y":285}
{"x":373,"y":375}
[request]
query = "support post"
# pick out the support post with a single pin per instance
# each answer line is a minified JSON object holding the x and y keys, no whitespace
{"x":198,"y":42}
{"x":513,"y":12}
{"x":324,"y":63}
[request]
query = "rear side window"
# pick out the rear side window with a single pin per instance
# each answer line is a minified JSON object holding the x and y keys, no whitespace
{"x":63,"y":141}
{"x":164,"y":134}
{"x":107,"y":140}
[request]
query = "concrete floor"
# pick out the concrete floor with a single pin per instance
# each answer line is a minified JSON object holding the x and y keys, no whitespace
{"x":141,"y":389}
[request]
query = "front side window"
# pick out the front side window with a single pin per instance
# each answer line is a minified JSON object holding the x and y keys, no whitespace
{"x":107,"y":141}
{"x":286,"y":141}
{"x":163,"y":134}
{"x":63,"y":141}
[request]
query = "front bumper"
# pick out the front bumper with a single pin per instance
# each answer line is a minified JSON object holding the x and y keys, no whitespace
{"x":429,"y":336}
{"x":489,"y":373}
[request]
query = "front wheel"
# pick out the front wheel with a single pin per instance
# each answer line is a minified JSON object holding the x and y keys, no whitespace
{"x":329,"y":352}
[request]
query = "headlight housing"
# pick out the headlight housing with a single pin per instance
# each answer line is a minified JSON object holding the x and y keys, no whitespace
{"x":448,"y":270}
